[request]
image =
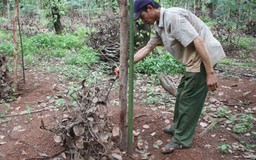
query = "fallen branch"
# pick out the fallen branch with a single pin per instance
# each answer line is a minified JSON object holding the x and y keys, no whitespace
{"x":48,"y":157}
{"x":167,"y":84}
{"x":141,"y":115}
{"x":213,"y":124}
{"x":22,"y":114}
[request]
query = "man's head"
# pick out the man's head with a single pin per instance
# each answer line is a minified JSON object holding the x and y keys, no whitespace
{"x":145,"y":9}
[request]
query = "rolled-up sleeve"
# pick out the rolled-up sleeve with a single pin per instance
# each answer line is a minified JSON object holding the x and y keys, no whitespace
{"x":155,"y":39}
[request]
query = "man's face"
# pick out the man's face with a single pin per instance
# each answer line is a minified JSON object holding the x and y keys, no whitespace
{"x":148,"y":17}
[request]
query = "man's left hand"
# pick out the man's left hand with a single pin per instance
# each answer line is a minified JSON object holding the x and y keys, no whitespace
{"x":212,"y":82}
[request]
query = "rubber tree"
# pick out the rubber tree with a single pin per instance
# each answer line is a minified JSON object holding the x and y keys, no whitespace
{"x":15,"y":44}
{"x":56,"y":10}
{"x":123,"y":79}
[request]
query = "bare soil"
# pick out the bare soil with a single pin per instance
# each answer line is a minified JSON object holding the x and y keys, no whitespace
{"x":22,"y":138}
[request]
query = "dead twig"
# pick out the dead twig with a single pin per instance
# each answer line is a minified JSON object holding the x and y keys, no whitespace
{"x":48,"y":157}
{"x":213,"y":124}
{"x":141,"y":115}
{"x":22,"y":114}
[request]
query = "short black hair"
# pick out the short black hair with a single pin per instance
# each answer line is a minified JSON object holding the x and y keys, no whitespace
{"x":153,"y":4}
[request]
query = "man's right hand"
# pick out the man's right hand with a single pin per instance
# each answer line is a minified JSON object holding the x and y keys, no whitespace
{"x":116,"y":71}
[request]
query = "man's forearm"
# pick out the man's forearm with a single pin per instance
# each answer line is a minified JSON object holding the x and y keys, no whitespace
{"x":143,"y":52}
{"x":204,"y":54}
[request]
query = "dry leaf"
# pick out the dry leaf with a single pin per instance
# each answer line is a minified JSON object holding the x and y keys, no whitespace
{"x":80,"y":143}
{"x":57,"y":138}
{"x":43,"y":154}
{"x":167,"y":121}
{"x":104,"y":137}
{"x":23,"y":152}
{"x":153,"y":134}
{"x":117,"y":156}
{"x":63,"y":155}
{"x":115,"y":131}
{"x":2,"y":136}
{"x":146,"y":126}
{"x":78,"y":130}
{"x":2,"y":143}
{"x":202,"y":124}
{"x":135,"y":133}
{"x":140,"y":144}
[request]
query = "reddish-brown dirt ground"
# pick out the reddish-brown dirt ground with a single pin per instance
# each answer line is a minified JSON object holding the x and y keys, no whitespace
{"x":25,"y":140}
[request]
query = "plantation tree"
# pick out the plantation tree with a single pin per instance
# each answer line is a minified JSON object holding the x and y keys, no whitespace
{"x":15,"y":42}
{"x":197,"y":8}
{"x":88,"y":11}
{"x":123,"y":70}
{"x":56,"y":10}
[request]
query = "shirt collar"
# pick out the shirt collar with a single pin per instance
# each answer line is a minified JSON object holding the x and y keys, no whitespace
{"x":161,"y":19}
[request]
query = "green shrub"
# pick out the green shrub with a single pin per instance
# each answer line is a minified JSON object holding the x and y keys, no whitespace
{"x":243,"y":123}
{"x":85,"y":56}
{"x":3,"y":20}
{"x":247,"y":43}
{"x":83,"y":32}
{"x":156,"y":63}
{"x":6,"y":48}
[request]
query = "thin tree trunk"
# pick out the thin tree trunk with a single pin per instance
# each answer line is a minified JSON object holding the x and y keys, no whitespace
{"x":57,"y":23}
{"x":82,"y":8}
{"x":8,"y":11}
{"x":203,"y":7}
{"x":196,"y":7}
{"x":38,"y":8}
{"x":15,"y":42}
{"x":22,"y":50}
{"x":88,"y":11}
{"x":239,"y":14}
{"x":124,"y":40}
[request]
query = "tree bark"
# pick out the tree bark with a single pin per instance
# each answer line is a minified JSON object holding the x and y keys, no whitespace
{"x":56,"y":16}
{"x":124,"y":40}
{"x":38,"y":8}
{"x":15,"y":42}
{"x":196,"y":8}
{"x":167,"y":84}
{"x":88,"y":11}
{"x":8,"y":11}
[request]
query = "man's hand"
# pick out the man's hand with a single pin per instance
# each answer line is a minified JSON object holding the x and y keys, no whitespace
{"x":116,"y":71}
{"x":212,"y":81}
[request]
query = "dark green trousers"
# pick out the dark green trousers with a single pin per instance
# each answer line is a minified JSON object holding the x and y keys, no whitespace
{"x":191,"y":94}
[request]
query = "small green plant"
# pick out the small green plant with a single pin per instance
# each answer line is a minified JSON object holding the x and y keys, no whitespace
{"x":224,"y":148}
{"x":243,"y":123}
{"x":6,"y":48}
{"x":85,"y":56}
{"x":153,"y":97}
{"x":247,"y":43}
{"x":228,"y":61}
{"x":60,"y":102}
{"x":222,"y":111}
{"x":159,"y":62}
{"x":5,"y":111}
{"x":5,"y":120}
{"x":28,"y":114}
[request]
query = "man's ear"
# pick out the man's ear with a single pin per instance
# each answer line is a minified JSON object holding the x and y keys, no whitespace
{"x":150,"y":7}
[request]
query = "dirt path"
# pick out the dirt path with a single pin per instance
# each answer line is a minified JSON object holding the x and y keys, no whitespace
{"x":21,"y":137}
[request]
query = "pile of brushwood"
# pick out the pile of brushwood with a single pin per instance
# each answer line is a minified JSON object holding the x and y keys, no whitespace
{"x":86,"y":131}
{"x":106,"y":38}
{"x":5,"y":84}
